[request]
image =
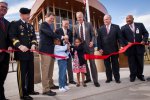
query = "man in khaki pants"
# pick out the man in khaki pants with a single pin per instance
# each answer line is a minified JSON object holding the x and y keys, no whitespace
{"x":46,"y":45}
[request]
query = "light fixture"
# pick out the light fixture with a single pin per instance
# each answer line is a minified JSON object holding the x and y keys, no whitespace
{"x":67,"y":2}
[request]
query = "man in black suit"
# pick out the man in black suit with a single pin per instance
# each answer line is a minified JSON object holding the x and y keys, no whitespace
{"x":46,"y":45}
{"x":109,"y":35}
{"x":84,"y":30}
{"x":4,"y":44}
{"x":135,"y":32}
{"x":62,"y":32}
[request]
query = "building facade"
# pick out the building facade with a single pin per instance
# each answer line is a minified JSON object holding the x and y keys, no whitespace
{"x":66,"y":9}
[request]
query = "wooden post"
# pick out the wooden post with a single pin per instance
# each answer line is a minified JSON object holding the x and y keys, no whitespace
{"x":37,"y":23}
{"x":99,"y":23}
{"x":73,"y":19}
{"x":94,"y":22}
{"x":47,"y":9}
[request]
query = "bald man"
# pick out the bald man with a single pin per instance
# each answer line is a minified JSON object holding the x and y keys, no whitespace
{"x":108,"y":37}
{"x":135,"y":32}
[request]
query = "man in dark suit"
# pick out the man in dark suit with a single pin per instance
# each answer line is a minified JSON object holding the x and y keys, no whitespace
{"x":109,"y":35}
{"x":66,"y":31}
{"x":23,"y":37}
{"x":46,"y":45}
{"x":84,"y":30}
{"x":4,"y":44}
{"x":135,"y":32}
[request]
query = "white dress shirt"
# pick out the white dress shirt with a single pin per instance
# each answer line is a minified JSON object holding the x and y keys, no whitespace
{"x":132,"y":27}
{"x":108,"y":27}
{"x":65,"y":31}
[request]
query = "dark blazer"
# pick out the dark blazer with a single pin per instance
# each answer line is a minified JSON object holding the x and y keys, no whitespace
{"x":89,"y":34}
{"x":22,"y":34}
{"x":109,"y":42}
{"x":60,"y":32}
{"x":128,"y":36}
{"x":80,"y":52}
{"x":4,"y":39}
{"x":47,"y":37}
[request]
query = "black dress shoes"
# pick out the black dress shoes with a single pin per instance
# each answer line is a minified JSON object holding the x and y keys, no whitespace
{"x":26,"y":98}
{"x":50,"y":93}
{"x":72,"y":82}
{"x":108,"y":81}
{"x":118,"y":81}
{"x":97,"y":84}
{"x":132,"y":79}
{"x":141,"y":78}
{"x":34,"y":93}
{"x":87,"y":81}
{"x":55,"y":87}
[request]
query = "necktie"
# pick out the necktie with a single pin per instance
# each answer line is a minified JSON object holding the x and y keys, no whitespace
{"x":107,"y":28}
{"x":81,"y":32}
{"x":2,"y":25}
{"x":26,"y":24}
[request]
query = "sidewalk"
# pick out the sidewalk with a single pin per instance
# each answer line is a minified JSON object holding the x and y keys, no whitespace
{"x":112,"y":91}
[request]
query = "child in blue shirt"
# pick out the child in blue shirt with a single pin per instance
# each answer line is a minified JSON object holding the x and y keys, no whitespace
{"x":62,"y":63}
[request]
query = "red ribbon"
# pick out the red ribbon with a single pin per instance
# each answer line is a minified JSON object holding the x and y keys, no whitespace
{"x":43,"y":53}
{"x":91,"y":56}
{"x":87,"y":56}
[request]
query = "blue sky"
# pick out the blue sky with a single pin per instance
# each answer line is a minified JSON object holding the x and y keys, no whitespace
{"x":118,"y":9}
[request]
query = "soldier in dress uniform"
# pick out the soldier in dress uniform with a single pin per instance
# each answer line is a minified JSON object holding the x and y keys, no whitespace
{"x":23,"y":36}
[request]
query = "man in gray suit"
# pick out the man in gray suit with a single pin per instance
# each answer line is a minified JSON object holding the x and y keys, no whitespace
{"x":84,"y":30}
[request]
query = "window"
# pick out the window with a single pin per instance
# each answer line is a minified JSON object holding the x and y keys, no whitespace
{"x":63,"y":13}
{"x":40,"y":20}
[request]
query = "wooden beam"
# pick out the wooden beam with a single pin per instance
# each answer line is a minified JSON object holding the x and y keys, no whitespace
{"x":73,"y":19}
{"x":37,"y":24}
{"x":94,"y":22}
{"x":43,"y":14}
{"x":47,"y":9}
{"x":55,"y":17}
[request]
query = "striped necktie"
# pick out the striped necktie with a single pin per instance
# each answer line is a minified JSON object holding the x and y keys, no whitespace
{"x":81,"y":32}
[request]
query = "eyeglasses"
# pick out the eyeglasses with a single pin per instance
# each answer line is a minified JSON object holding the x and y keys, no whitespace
{"x":4,"y":7}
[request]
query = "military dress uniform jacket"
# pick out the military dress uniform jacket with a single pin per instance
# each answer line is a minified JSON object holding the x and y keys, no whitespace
{"x":22,"y":33}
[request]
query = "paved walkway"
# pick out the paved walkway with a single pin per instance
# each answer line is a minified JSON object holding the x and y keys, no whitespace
{"x":112,"y":91}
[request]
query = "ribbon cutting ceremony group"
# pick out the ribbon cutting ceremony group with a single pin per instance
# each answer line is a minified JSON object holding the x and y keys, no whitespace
{"x":72,"y":49}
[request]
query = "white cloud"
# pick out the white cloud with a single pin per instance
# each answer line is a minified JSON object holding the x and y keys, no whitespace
{"x":14,"y":9}
{"x":145,"y":19}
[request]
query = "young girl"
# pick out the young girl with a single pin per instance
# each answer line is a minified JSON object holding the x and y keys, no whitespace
{"x":79,"y":63}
